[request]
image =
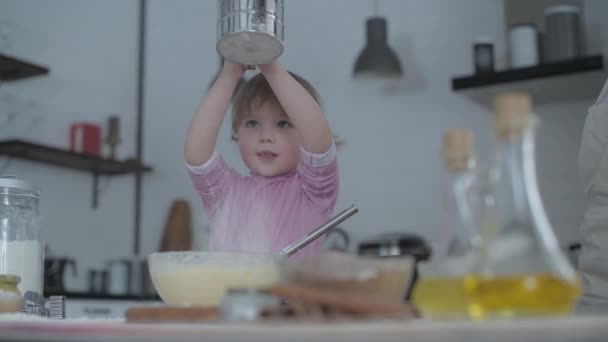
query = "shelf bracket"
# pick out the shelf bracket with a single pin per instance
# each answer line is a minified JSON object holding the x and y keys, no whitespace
{"x":95,"y":191}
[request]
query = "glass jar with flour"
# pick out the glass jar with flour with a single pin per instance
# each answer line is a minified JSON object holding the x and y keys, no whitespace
{"x":20,"y":244}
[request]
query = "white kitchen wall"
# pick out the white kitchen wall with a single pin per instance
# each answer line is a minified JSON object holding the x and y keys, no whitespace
{"x":90,"y":49}
{"x":390,"y":165}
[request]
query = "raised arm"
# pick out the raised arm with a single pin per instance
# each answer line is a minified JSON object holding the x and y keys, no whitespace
{"x":301,"y":108}
{"x":207,"y":121}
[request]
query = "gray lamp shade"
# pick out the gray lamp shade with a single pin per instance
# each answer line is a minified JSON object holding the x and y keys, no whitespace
{"x":377,"y":58}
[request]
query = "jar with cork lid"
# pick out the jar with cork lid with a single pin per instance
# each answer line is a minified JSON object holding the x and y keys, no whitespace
{"x":10,"y":297}
{"x":528,"y":274}
{"x":21,"y":251}
{"x":439,"y":294}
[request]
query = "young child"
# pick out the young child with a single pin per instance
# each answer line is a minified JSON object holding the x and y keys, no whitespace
{"x":285,"y":141}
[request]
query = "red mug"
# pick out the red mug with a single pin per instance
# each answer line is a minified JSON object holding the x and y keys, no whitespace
{"x":85,"y":138}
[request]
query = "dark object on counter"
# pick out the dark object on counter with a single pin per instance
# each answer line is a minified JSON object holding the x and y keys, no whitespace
{"x":562,"y":39}
{"x":483,"y":57}
{"x":54,"y":273}
{"x":337,"y":240}
{"x":394,"y":245}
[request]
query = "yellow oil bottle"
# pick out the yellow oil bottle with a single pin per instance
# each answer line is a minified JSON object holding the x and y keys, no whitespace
{"x":479,"y":297}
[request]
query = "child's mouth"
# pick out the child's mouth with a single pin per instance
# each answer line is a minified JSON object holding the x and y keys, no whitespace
{"x":266,"y":155}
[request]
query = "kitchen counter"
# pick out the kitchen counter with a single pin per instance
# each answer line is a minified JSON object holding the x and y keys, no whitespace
{"x":580,"y":329}
{"x":102,"y":296}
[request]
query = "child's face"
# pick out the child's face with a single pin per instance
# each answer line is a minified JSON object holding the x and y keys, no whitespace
{"x":269,"y":144}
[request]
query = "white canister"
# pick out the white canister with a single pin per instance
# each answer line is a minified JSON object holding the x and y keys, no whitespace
{"x":523,"y":46}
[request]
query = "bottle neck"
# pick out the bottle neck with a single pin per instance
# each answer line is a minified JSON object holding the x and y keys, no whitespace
{"x":457,"y":225}
{"x":512,"y":157}
{"x":522,"y":207}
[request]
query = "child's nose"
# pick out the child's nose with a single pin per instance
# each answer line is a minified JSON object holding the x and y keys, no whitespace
{"x":267,"y":135}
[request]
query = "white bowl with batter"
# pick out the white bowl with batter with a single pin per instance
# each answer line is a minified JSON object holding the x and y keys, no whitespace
{"x":202,"y":278}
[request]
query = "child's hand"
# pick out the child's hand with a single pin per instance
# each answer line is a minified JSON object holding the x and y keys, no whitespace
{"x":266,"y":68}
{"x":232,"y":70}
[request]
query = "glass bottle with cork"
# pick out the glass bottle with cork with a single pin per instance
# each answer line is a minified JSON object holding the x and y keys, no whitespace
{"x":439,"y":293}
{"x":528,"y":275}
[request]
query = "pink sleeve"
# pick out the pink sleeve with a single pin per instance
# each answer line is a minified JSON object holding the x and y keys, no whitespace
{"x":319,"y":177}
{"x":212,"y":181}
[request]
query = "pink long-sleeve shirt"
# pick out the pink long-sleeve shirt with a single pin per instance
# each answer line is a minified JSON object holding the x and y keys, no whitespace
{"x":265,"y":214}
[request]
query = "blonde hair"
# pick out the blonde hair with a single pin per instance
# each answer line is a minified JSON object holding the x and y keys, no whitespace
{"x":255,"y":92}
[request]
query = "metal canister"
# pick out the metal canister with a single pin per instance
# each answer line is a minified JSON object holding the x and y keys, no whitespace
{"x":250,"y":32}
{"x":562,"y":34}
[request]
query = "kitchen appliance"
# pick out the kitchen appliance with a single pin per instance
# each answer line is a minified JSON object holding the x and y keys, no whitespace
{"x":250,"y":32}
{"x":129,"y":276}
{"x":98,"y":281}
{"x":562,"y":33}
{"x":55,"y":271}
{"x":20,"y":244}
{"x":119,"y":281}
{"x":337,"y":240}
{"x":395,"y":245}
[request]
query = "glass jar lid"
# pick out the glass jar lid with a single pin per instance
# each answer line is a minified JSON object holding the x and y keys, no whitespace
{"x":12,"y":182}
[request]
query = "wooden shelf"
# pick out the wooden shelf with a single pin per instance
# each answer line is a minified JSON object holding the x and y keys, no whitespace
{"x":12,"y":69}
{"x":76,"y":161}
{"x":565,"y":81}
{"x":64,"y":158}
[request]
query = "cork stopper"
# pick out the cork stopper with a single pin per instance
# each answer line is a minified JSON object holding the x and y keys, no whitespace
{"x":457,"y":149}
{"x":512,"y":114}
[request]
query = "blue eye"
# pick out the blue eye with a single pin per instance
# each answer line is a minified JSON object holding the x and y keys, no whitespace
{"x":251,"y":123}
{"x":284,"y":124}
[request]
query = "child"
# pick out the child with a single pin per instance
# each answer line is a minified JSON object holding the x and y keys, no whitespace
{"x":285,"y":141}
